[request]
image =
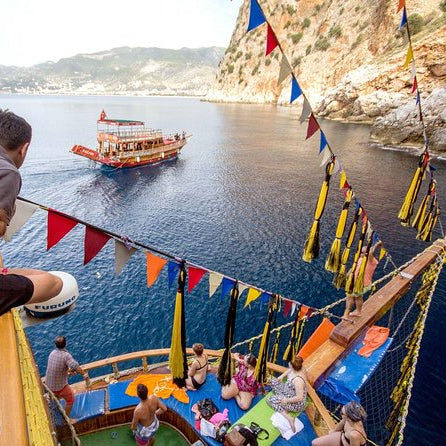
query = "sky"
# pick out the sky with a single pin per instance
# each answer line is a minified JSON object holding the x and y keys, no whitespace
{"x":35,"y":31}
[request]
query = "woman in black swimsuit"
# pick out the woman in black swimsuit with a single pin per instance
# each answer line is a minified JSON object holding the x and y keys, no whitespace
{"x":198,"y":368}
{"x":349,"y":431}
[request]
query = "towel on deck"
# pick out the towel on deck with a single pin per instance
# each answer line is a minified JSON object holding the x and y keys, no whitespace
{"x":283,"y":425}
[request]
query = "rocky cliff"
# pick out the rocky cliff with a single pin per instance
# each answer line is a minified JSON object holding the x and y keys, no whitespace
{"x":346,"y":54}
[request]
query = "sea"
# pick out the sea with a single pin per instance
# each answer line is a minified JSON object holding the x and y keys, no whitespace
{"x":239,"y":200}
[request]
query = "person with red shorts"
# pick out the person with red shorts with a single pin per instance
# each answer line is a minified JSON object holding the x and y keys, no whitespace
{"x":60,"y":364}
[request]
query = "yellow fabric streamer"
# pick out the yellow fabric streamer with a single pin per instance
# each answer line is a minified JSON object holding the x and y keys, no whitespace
{"x":342,"y":180}
{"x":334,"y":256}
{"x":311,"y":249}
{"x":429,"y":222}
{"x":421,"y":214}
{"x":350,"y":280}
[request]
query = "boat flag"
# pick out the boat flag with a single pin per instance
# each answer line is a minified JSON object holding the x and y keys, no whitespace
{"x":326,"y":155}
{"x":306,"y":111}
{"x":415,"y":85}
{"x":195,"y":275}
{"x":253,"y":294}
{"x":58,"y":226}
{"x":337,"y":168}
{"x":172,"y":270}
{"x":271,"y":40}
{"x":154,"y":266}
{"x":413,"y":72}
{"x":382,"y":253}
{"x":403,"y":18}
{"x":293,"y":308}
{"x":103,"y":116}
{"x":313,"y":126}
{"x":323,"y":142}
{"x":409,"y":57}
{"x":401,"y":4}
{"x":256,"y":17}
{"x":177,"y":355}
{"x":214,"y":282}
{"x":295,"y":89}
{"x":122,"y":255}
{"x":226,"y":286}
{"x":285,"y":70}
{"x":264,"y":298}
{"x":23,"y":212}
{"x":242,"y":287}
{"x":287,"y":304}
{"x":94,"y":241}
{"x":418,"y":100}
{"x":224,"y":373}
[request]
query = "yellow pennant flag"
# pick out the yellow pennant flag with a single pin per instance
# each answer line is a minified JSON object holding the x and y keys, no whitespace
{"x":409,"y":57}
{"x":253,"y":294}
{"x":342,"y":180}
{"x":154,"y":266}
{"x":382,"y":253}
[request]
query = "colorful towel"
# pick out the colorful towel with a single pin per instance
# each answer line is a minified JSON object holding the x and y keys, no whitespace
{"x":160,"y":385}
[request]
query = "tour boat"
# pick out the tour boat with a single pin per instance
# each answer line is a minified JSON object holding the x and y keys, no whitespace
{"x":126,"y":143}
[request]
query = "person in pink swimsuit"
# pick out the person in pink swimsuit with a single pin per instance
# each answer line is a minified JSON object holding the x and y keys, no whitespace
{"x":243,"y":386}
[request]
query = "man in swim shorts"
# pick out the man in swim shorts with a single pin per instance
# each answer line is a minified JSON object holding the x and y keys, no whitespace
{"x":145,"y":422}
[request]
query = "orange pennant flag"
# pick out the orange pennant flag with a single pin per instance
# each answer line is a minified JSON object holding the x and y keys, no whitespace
{"x":154,"y":266}
{"x":409,"y":57}
{"x":303,"y":311}
{"x":401,"y":4}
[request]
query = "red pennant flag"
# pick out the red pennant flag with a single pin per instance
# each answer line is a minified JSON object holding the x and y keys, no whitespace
{"x":310,"y":312}
{"x":313,"y":126}
{"x":195,"y":275}
{"x":287,"y":307}
{"x":57,"y":228}
{"x":303,"y":311}
{"x":415,"y":85}
{"x":93,"y":242}
{"x":401,"y":4}
{"x":271,"y":41}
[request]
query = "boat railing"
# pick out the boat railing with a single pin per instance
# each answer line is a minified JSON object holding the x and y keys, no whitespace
{"x":320,"y":411}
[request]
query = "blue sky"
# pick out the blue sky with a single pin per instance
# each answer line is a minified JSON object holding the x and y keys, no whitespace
{"x":34,"y":31}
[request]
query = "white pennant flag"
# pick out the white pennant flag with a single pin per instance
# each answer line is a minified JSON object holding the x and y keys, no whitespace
{"x":293,"y":308}
{"x":214,"y":282}
{"x":326,"y":156}
{"x":414,"y":71}
{"x":337,"y":167}
{"x":122,"y":256}
{"x":285,"y":70}
{"x":306,"y":111}
{"x":368,"y":234}
{"x":23,"y":212}
{"x":242,"y":287}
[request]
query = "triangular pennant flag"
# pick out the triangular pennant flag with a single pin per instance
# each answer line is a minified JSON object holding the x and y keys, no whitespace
{"x":313,"y":126}
{"x":241,"y":287}
{"x":375,"y":238}
{"x":382,"y":253}
{"x":306,"y":110}
{"x":418,"y":100}
{"x":93,"y":242}
{"x":154,"y":266}
{"x":295,"y":90}
{"x":122,"y":255}
{"x":323,"y":142}
{"x":226,"y":286}
{"x":401,"y":4}
{"x":285,"y":70}
{"x":303,"y":311}
{"x":287,"y":304}
{"x":342,"y":180}
{"x":173,"y":268}
{"x":403,"y":18}
{"x":256,"y":16}
{"x":413,"y":72}
{"x":58,"y":227}
{"x":264,"y":298}
{"x":253,"y":294}
{"x":415,"y":85}
{"x":337,"y":167}
{"x":271,"y":40}
{"x":293,"y":309}
{"x":310,"y":312}
{"x":214,"y":281}
{"x":195,"y":275}
{"x":326,"y":156}
{"x":409,"y":57}
{"x":23,"y":212}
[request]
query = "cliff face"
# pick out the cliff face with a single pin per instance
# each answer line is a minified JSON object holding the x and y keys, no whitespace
{"x":346,"y":54}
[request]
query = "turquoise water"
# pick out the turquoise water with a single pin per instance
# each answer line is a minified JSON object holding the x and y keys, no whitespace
{"x":239,"y":201}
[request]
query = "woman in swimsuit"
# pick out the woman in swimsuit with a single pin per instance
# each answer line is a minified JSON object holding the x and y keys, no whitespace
{"x":198,"y":368}
{"x":243,"y":386}
{"x":349,"y":431}
{"x":291,"y":395}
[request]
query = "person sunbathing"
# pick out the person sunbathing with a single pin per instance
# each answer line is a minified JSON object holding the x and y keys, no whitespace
{"x":198,"y":369}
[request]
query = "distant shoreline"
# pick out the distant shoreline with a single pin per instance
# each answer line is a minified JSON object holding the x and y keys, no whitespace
{"x":7,"y":93}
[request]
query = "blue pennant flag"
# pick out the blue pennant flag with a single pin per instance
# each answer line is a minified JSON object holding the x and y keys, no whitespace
{"x":357,"y":204}
{"x":226,"y":286}
{"x":295,"y":90}
{"x":256,"y":16}
{"x":432,"y":168}
{"x":172,"y":271}
{"x":403,"y":18}
{"x":418,"y":98}
{"x":264,"y":298}
{"x":323,"y":143}
{"x":375,"y":238}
